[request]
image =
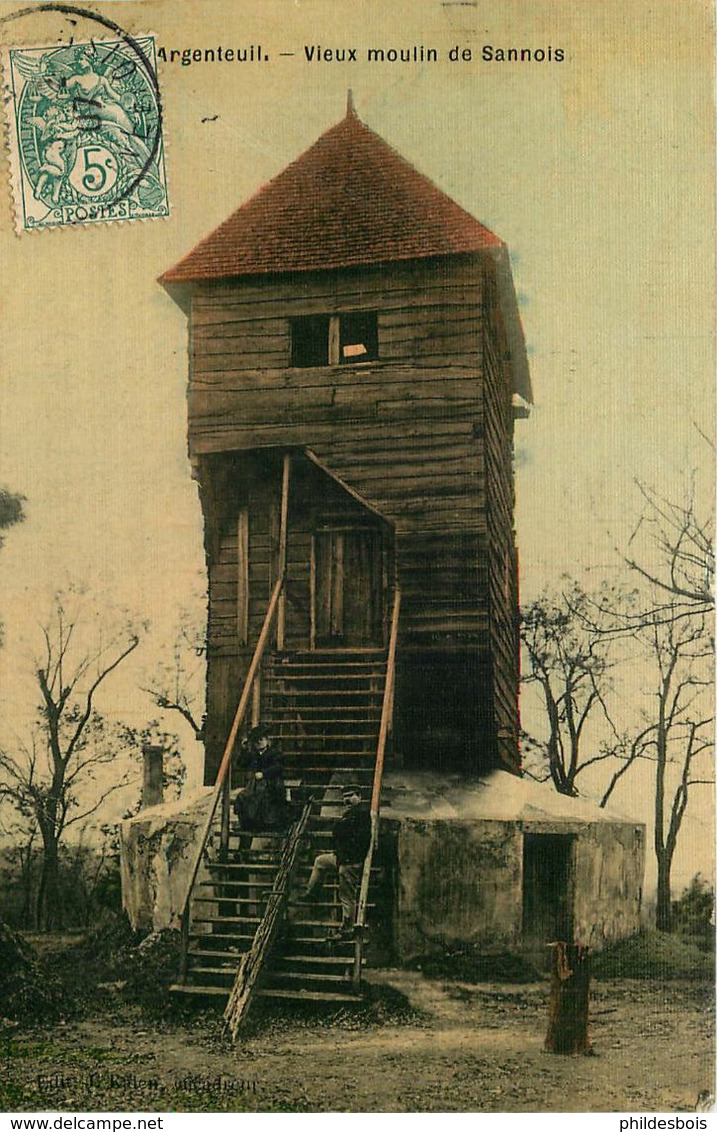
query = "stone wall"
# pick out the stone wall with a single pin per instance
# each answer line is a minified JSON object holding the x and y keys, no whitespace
{"x":157,"y":849}
{"x":460,"y":883}
{"x":455,"y":852}
{"x":609,"y":869}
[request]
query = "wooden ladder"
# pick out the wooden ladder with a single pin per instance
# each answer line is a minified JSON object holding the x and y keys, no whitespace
{"x":251,"y":966}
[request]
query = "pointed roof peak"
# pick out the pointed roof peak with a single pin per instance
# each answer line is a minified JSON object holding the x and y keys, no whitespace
{"x":349,"y":200}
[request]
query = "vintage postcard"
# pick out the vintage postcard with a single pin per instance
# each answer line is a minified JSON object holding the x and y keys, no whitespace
{"x":357,"y":559}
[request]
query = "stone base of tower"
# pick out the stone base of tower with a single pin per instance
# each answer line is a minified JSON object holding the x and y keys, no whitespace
{"x":499,"y":864}
{"x":504,"y":864}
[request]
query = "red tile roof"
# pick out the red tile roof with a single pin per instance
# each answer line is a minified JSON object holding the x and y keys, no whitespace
{"x":349,"y":199}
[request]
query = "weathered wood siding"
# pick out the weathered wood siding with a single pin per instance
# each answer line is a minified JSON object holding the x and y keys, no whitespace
{"x":243,"y":490}
{"x":421,"y":434}
{"x":502,"y":555}
{"x":423,"y":393}
{"x":315,"y":503}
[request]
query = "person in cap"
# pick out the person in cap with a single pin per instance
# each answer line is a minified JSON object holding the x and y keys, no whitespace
{"x":351,"y":838}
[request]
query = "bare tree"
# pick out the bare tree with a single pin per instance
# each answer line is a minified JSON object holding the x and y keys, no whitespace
{"x":679,"y":559}
{"x":177,"y":684}
{"x":569,"y":658}
{"x":71,"y":763}
{"x":676,"y":731}
{"x":671,"y":550}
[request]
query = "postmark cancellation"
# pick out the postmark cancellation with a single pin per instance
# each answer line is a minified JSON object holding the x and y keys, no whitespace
{"x":85,"y":133}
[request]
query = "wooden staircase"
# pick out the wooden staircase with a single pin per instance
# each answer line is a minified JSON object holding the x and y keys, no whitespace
{"x":325,"y":710}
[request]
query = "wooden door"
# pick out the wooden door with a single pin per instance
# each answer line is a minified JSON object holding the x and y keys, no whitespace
{"x":347,"y":588}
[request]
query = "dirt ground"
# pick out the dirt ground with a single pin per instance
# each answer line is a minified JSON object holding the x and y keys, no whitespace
{"x":423,"y":1046}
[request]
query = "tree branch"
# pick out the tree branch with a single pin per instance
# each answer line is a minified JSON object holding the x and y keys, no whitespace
{"x":84,"y":718}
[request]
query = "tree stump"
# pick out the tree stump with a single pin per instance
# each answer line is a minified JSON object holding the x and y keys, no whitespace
{"x":569,"y":994}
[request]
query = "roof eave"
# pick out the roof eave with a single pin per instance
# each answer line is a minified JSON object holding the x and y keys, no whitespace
{"x":180,"y":293}
{"x":513,"y":324}
{"x":169,"y":279}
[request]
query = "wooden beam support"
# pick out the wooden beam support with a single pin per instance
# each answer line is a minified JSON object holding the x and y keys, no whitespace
{"x":243,"y":576}
{"x":256,"y":701}
{"x":283,"y":540}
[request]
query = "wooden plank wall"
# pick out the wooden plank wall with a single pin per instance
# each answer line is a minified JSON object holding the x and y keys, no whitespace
{"x":404,"y":432}
{"x":420,"y":434}
{"x":249,"y":484}
{"x":502,"y":556}
{"x":445,"y":711}
{"x":424,"y":392}
{"x":314,"y":501}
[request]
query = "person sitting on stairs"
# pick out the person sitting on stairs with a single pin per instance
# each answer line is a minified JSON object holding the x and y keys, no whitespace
{"x":262,"y":804}
{"x":351,"y":838}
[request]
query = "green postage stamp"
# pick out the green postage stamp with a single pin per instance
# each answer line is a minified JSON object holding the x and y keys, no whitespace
{"x":85,"y":133}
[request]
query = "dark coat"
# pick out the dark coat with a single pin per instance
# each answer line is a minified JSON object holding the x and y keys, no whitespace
{"x":270,"y":762}
{"x":262,"y":804}
{"x":352,"y":835}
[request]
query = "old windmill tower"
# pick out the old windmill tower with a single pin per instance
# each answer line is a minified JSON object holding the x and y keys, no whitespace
{"x":357,"y":362}
{"x":354,"y":317}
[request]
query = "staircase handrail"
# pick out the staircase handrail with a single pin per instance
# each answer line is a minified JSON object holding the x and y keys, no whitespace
{"x":386,"y":714}
{"x":252,"y":963}
{"x":225,"y":764}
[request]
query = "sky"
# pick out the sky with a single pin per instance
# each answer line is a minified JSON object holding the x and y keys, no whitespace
{"x":596,"y":171}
